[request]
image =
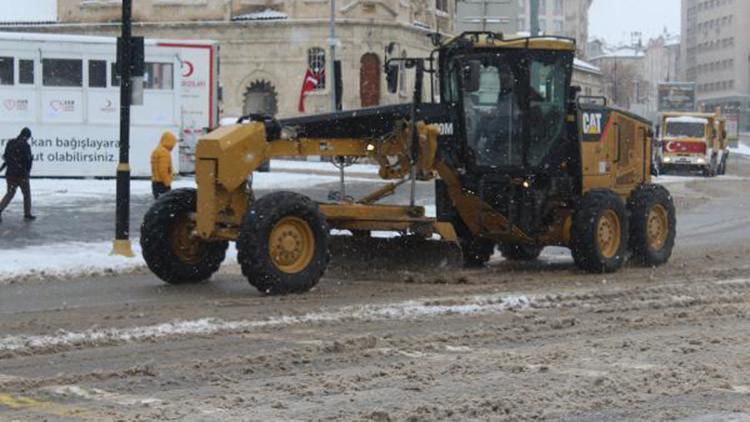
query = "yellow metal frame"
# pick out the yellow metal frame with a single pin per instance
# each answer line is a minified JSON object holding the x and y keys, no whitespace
{"x":226,"y":156}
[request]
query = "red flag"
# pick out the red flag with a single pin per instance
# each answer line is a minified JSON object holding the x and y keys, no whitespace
{"x":309,"y":84}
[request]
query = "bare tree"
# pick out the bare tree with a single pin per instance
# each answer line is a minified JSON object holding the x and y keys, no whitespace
{"x":620,"y":81}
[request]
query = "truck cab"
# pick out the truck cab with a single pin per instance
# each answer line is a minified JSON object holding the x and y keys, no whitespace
{"x":693,"y":141}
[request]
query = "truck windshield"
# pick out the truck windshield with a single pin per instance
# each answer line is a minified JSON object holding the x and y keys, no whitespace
{"x":686,"y":129}
{"x":520,"y":96}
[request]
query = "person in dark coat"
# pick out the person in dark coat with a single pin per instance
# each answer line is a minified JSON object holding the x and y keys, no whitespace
{"x":18,"y":160}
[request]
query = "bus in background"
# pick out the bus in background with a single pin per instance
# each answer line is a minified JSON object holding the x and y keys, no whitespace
{"x":66,"y":89}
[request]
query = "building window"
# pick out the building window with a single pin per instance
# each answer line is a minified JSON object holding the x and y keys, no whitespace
{"x":542,"y":7}
{"x":316,"y":62}
{"x":26,"y":72}
{"x":159,"y":76}
{"x":6,"y":70}
{"x":441,"y":5}
{"x":402,"y":74}
{"x":62,"y":72}
{"x":97,"y":74}
{"x":558,"y":7}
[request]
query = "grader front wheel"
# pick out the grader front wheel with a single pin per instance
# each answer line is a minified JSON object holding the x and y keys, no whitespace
{"x":600,"y":232}
{"x":283,"y":244}
{"x":168,"y":245}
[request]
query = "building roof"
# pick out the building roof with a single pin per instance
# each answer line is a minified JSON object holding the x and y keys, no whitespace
{"x":585,"y":66}
{"x":86,"y":39}
{"x":622,"y":53}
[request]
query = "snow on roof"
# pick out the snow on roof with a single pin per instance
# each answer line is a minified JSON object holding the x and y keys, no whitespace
{"x":85,"y":39}
{"x":266,"y":15}
{"x":622,"y":52}
{"x":585,"y":66}
{"x":687,"y":119}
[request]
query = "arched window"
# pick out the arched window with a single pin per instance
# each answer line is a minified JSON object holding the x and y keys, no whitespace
{"x":316,"y":62}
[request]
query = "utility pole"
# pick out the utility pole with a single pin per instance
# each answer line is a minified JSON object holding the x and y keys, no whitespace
{"x":534,"y":15}
{"x":332,"y":44}
{"x":122,"y":244}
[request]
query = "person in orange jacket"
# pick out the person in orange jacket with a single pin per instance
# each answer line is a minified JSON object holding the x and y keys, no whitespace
{"x":161,"y":165}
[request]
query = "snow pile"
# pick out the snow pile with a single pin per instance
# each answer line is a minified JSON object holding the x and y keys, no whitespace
{"x":72,"y":259}
{"x":66,"y":259}
{"x":65,"y":192}
{"x":491,"y":304}
{"x":741,"y":149}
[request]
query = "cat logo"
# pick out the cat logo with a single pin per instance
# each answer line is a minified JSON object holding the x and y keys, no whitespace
{"x":592,"y":123}
{"x":446,"y":129}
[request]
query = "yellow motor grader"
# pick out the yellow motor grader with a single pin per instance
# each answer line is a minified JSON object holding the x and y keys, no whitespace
{"x":518,"y":163}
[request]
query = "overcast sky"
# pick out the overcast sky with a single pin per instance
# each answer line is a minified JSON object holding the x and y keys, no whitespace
{"x":614,"y":20}
{"x":28,"y":10}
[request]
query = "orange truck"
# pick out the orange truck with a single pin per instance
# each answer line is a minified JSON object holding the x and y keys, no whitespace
{"x":693,"y":141}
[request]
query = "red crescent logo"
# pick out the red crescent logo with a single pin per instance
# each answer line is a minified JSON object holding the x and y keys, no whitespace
{"x":188,"y":70}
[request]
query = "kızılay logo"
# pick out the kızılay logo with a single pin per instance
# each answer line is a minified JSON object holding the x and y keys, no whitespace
{"x":11,"y":104}
{"x":187,"y":69}
{"x":65,"y":106}
{"x":108,"y":106}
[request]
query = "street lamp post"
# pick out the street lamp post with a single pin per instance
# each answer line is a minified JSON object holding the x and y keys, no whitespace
{"x":122,"y":245}
{"x":332,"y":45}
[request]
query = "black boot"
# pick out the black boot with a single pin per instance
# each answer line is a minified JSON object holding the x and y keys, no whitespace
{"x":29,"y":217}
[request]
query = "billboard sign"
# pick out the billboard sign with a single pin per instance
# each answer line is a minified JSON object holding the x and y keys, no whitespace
{"x":676,"y":96}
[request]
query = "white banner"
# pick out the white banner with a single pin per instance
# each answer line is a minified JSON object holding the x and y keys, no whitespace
{"x":88,"y":151}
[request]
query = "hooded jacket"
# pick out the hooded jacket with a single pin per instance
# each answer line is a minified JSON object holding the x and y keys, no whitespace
{"x":18,"y":158}
{"x":161,"y":159}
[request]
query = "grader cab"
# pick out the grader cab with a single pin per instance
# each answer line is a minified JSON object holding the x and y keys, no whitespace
{"x":518,"y":164}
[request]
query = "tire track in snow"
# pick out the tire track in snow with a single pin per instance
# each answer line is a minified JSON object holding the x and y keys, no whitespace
{"x":34,"y":344}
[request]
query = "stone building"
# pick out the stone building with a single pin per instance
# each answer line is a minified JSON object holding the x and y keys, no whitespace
{"x":556,"y":17}
{"x":588,"y":77}
{"x":623,"y":82}
{"x":268,"y":46}
{"x":661,"y":64}
{"x":715,"y":51}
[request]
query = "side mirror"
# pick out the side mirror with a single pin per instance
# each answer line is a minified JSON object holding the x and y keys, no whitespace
{"x":573,"y":91}
{"x":658,"y":130}
{"x":470,"y":76}
{"x":391,"y":77}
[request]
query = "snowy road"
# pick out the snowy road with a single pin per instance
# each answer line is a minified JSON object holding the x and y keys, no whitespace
{"x":512,"y":342}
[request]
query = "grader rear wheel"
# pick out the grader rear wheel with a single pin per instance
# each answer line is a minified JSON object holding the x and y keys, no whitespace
{"x":652,"y":225}
{"x":168,"y":245}
{"x":283,"y":244}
